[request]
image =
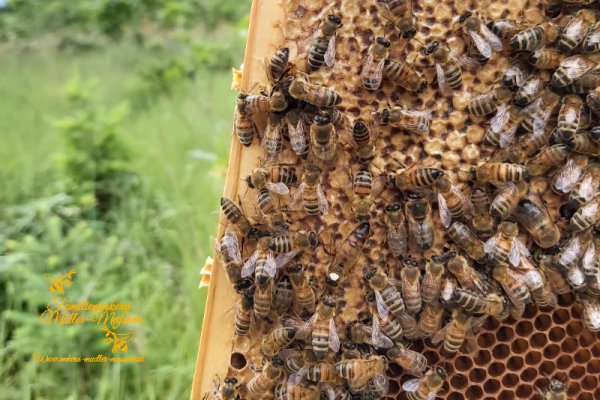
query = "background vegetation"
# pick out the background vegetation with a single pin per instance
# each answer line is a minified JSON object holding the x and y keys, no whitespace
{"x":116,"y":123}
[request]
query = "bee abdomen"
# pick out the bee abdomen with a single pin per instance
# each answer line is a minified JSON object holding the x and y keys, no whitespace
{"x":265,"y":201}
{"x":453,"y":76}
{"x":527,"y":39}
{"x":316,"y":57}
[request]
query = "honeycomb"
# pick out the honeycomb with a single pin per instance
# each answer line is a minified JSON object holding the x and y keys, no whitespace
{"x":512,"y":357}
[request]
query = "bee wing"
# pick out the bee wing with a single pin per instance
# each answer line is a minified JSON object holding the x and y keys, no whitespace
{"x":515,"y":71}
{"x":417,"y":113}
{"x":296,"y":196}
{"x":592,"y":312}
{"x":283,"y":259}
{"x":508,"y":136}
{"x":587,"y":188}
{"x":330,"y":53}
{"x":482,"y":45}
{"x":574,"y":28}
{"x":397,"y":237}
{"x":295,"y":378}
{"x":514,"y":255}
{"x":491,"y":243}
{"x":382,"y":309}
{"x":375,"y":80}
{"x":507,"y":191}
{"x":440,"y":335}
{"x":413,"y":358}
{"x":334,"y":339}
{"x":531,"y":106}
{"x":445,"y":215}
{"x":570,"y":250}
{"x":412,"y":385}
{"x":593,"y":37}
{"x":270,"y":265}
{"x":540,"y":123}
{"x":441,"y":79}
{"x":298,"y":136}
{"x":568,"y":176}
{"x":471,"y":343}
{"x":465,"y":62}
{"x":323,"y":204}
{"x":589,"y":210}
{"x":249,"y":265}
{"x":500,"y":119}
{"x":589,"y":257}
{"x":571,"y":114}
{"x":306,"y":43}
{"x":381,"y":383}
{"x":302,"y":331}
{"x":417,"y":127}
{"x":511,"y":296}
{"x":278,"y":188}
{"x":493,"y":40}
{"x":484,"y":97}
{"x":378,"y":339}
{"x":576,"y":66}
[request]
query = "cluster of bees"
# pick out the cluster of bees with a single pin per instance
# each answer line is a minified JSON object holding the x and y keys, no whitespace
{"x":506,"y":249}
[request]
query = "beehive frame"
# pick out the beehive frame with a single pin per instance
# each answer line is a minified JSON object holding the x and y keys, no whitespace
{"x":502,"y":366}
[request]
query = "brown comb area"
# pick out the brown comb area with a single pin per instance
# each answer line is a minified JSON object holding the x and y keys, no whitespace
{"x":513,"y":357}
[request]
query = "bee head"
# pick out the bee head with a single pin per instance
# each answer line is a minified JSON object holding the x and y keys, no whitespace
{"x":441,"y":372}
{"x":393,"y":207}
{"x":410,"y":262}
{"x":242,"y":285}
{"x":371,"y":297}
{"x":392,"y":178}
{"x":473,"y":172}
{"x":248,"y":181}
{"x":349,"y":346}
{"x":332,"y":282}
{"x":414,"y":196}
{"x":277,"y":361}
{"x":371,"y":273}
{"x":383,"y":41}
{"x":285,"y":51}
{"x":231,"y":380}
{"x":329,"y":302}
{"x":254,"y":233}
{"x":557,"y":386}
{"x":322,"y":119}
{"x":385,"y":116}
{"x":313,"y":239}
{"x":464,"y":17}
{"x":335,"y":19}
{"x":431,"y":48}
{"x":295,"y":268}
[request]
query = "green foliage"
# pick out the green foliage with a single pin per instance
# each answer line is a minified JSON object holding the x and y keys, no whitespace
{"x":95,"y":159}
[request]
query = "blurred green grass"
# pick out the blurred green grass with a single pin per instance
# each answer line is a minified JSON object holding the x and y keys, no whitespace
{"x":186,"y":183}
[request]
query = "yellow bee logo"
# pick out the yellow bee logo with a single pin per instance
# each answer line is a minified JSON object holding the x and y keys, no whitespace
{"x":119,"y":340}
{"x":58,"y":283}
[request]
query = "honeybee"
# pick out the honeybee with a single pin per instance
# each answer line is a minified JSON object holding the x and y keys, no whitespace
{"x":391,"y":327}
{"x":243,"y":316}
{"x":412,"y":362}
{"x":590,"y":263}
{"x":347,"y":254}
{"x":503,"y":135}
{"x":410,"y":276}
{"x":407,"y":179}
{"x":566,"y":177}
{"x":529,"y":91}
{"x":287,"y":246}
{"x":269,"y":376}
{"x":514,"y":287}
{"x":593,"y":100}
{"x":317,"y":95}
{"x":227,"y":251}
{"x":493,"y":304}
{"x":571,"y":69}
{"x":363,"y":334}
{"x":372,"y":71}
{"x":425,"y":388}
{"x":588,"y":215}
{"x":243,"y":125}
{"x":546,"y":59}
{"x":501,"y":172}
{"x":556,"y":391}
{"x":283,"y":295}
{"x":276,"y":66}
{"x":514,"y":77}
{"x":284,"y":392}
{"x":272,"y":140}
{"x":322,"y":48}
{"x":447,"y":288}
{"x":535,"y":116}
{"x":313,"y":197}
{"x":591,"y":42}
{"x":528,"y":145}
{"x":556,"y":279}
{"x":532,"y":214}
{"x":507,"y":198}
{"x":448,"y":66}
{"x":535,"y":37}
{"x":586,"y":187}
{"x":484,"y":40}
{"x":489,"y":102}
{"x":452,"y":203}
{"x":276,"y":340}
{"x":404,"y":76}
{"x":228,"y":391}
{"x":263,"y":263}
{"x":591,"y":314}
{"x":396,"y":231}
{"x":458,"y":330}
{"x":430,"y":320}
{"x":250,"y":104}
{"x":548,"y":158}
{"x":409,"y":325}
{"x":573,"y":251}
{"x":320,"y":373}
{"x":263,"y":178}
{"x":505,"y":245}
{"x":482,"y":221}
{"x":467,"y":240}
{"x":324,"y":139}
{"x":365,"y":190}
{"x":431,"y":283}
{"x":503,"y":28}
{"x":583,"y":143}
{"x":420,"y":221}
{"x":324,"y":332}
{"x":414,"y":121}
{"x":302,"y":292}
{"x":576,"y":30}
{"x":359,"y":371}
{"x":399,"y":12}
{"x":233,"y":214}
{"x":272,"y":215}
{"x":569,"y":118}
{"x":362,"y":137}
{"x":387,"y":297}
{"x":299,"y":139}
{"x":466,"y":275}
{"x":263,"y":298}
{"x":536,"y":282}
